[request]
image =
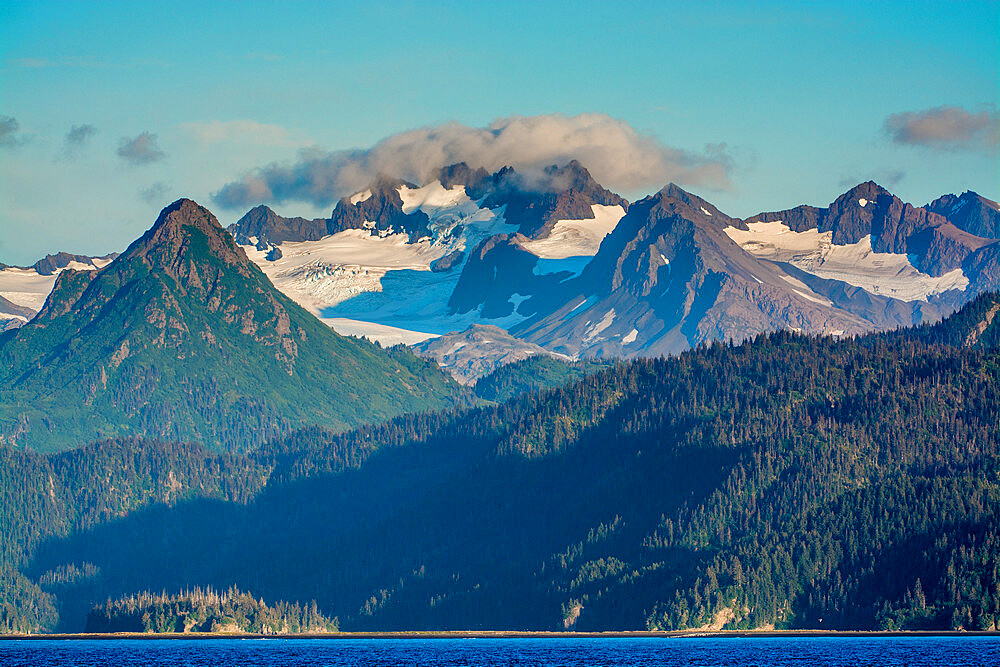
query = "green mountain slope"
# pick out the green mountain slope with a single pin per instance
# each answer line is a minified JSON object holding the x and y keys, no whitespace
{"x":183,"y":338}
{"x":535,"y":373}
{"x":789,"y":481}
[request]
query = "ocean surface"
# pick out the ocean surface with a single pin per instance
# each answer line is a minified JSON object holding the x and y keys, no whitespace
{"x":521,"y":652}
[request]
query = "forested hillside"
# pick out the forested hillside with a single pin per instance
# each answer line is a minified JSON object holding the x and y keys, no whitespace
{"x":183,"y":338}
{"x":791,"y":481}
{"x":206,"y":611}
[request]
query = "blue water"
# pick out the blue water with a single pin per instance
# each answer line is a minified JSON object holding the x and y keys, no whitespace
{"x":521,"y":652}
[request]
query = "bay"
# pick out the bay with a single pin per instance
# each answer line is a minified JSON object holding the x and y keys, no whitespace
{"x":688,"y":651}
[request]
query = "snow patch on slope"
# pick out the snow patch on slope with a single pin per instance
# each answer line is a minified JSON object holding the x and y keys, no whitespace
{"x":812,"y":251}
{"x":360,"y":197}
{"x":577,"y":238}
{"x":27,"y":287}
{"x":380,"y":333}
{"x":595,"y":330}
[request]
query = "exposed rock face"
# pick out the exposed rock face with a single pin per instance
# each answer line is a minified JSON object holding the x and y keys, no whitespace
{"x":893,"y":225}
{"x":667,"y":278}
{"x":477,"y":182}
{"x":983,"y":268}
{"x":534,"y":202}
{"x":498,"y":268}
{"x":268,"y":227}
{"x":561,"y":193}
{"x":479,"y":350}
{"x":381,"y":211}
{"x":448,"y":262}
{"x":969,"y":212}
{"x":50,"y":264}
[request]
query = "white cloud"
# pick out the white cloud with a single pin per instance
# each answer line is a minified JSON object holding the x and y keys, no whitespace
{"x":946,"y":128}
{"x":616,"y":154}
{"x":143,"y":149}
{"x":241,"y":131}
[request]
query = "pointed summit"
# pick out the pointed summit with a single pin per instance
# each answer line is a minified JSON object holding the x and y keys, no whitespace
{"x":183,"y":338}
{"x":700,"y":209}
{"x":380,"y":210}
{"x":970,"y":212}
{"x":537,"y":202}
{"x":461,"y":174}
{"x":185,"y":231}
{"x":262,"y":227}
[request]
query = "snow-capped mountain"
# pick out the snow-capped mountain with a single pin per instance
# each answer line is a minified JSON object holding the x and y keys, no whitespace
{"x":400,"y":262}
{"x":560,"y":262}
{"x":563,"y":265}
{"x":23,"y":289}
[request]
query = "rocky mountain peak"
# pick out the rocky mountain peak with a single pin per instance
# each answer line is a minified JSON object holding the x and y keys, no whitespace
{"x":970,"y":212}
{"x":535,"y":202}
{"x":695,"y":208}
{"x":268,"y":228}
{"x":186,"y":232}
{"x":861,"y":195}
{"x":461,"y":173}
{"x":50,"y":264}
{"x":380,"y":209}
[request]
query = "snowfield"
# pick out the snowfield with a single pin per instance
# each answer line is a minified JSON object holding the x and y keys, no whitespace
{"x":382,"y":287}
{"x":577,"y":238}
{"x":27,"y":287}
{"x":384,"y":335}
{"x":886,"y":274}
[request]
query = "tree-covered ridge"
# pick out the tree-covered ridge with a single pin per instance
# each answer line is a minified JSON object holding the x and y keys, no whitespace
{"x":532,"y":374}
{"x":790,"y":481}
{"x":183,"y":338}
{"x":206,"y":611}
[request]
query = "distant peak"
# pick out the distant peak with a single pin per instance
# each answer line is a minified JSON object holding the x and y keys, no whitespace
{"x":385,"y":183}
{"x":461,"y":173}
{"x":675,"y":191}
{"x":165,"y":242}
{"x":869,"y":190}
{"x":186,"y":213}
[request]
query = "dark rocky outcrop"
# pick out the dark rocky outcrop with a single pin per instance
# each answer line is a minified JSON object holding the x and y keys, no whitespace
{"x":51,"y":264}
{"x":268,"y":227}
{"x":448,"y":262}
{"x":381,"y":212}
{"x":560,"y":193}
{"x":497,"y":268}
{"x":969,"y":212}
{"x":868,"y":209}
{"x":536,"y":201}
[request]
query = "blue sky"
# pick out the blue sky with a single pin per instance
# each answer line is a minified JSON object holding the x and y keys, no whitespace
{"x":794,"y":97}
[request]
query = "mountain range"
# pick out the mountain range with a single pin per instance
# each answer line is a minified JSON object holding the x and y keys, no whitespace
{"x":562,"y":263}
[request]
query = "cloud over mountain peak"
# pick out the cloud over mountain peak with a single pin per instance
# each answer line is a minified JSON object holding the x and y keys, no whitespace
{"x":618,"y":155}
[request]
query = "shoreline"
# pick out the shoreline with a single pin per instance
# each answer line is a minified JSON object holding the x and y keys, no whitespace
{"x":507,"y":634}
